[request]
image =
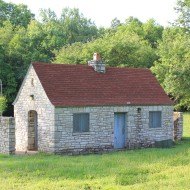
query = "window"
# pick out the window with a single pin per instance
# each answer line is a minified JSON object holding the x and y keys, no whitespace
{"x":80,"y":122}
{"x":155,"y":119}
{"x":32,"y":82}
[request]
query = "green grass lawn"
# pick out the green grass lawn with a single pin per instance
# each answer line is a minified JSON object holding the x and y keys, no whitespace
{"x":137,"y":169}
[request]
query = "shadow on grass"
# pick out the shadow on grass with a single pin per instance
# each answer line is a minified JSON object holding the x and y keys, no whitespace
{"x":185,"y":139}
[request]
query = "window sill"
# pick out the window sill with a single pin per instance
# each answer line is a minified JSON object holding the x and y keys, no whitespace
{"x":155,"y":128}
{"x":80,"y":133}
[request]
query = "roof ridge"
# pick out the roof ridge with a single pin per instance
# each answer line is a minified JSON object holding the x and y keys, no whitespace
{"x":86,"y":65}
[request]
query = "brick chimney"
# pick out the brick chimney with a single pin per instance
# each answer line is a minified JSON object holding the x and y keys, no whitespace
{"x":97,"y":63}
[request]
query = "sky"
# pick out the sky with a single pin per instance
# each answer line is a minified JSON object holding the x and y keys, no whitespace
{"x":102,"y":12}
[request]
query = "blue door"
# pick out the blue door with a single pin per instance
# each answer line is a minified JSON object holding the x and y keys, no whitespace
{"x":119,"y":130}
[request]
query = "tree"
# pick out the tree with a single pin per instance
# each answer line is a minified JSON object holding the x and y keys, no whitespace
{"x":115,"y":23}
{"x":121,"y":48}
{"x":183,"y":9}
{"x":2,"y":104}
{"x":152,"y":32}
{"x":19,"y":47}
{"x":133,"y":25}
{"x":173,"y":68}
{"x":76,"y":27}
{"x":20,"y":44}
{"x":18,"y":15}
{"x":47,"y":15}
{"x":7,"y":64}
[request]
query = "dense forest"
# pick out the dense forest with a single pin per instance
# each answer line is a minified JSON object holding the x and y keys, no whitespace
{"x":72,"y":39}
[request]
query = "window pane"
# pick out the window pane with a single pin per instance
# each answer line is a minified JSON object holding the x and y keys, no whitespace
{"x":158,"y":123}
{"x":151,"y":119}
{"x":155,"y":119}
{"x":81,"y":122}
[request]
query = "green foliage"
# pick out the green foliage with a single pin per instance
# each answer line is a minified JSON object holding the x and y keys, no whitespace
{"x":127,"y":45}
{"x":72,"y":38}
{"x":18,"y":15}
{"x":134,"y":25}
{"x":24,"y":40}
{"x":152,"y":32}
{"x":7,"y":71}
{"x":76,"y":27}
{"x":183,"y":8}
{"x":115,"y":23}
{"x":173,"y":68}
{"x":3,"y":102}
{"x":144,"y":169}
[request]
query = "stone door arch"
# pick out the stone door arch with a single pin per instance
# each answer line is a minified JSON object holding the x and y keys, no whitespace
{"x":32,"y":130}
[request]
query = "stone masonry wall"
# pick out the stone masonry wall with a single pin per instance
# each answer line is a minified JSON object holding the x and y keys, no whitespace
{"x":7,"y":135}
{"x":101,"y":133}
{"x":178,"y":125}
{"x":40,"y":103}
{"x":55,"y":125}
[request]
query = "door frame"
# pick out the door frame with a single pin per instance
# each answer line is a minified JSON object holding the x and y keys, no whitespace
{"x":125,"y":130}
{"x":35,"y":129}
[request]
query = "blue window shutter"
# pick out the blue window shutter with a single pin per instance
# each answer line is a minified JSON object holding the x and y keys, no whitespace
{"x":155,"y":119}
{"x":151,"y":120}
{"x":81,"y":122}
{"x":158,"y":119}
{"x":75,"y":122}
{"x":84,"y":122}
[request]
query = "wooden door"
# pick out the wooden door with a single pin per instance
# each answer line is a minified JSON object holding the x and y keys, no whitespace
{"x":119,"y":130}
{"x":32,"y":130}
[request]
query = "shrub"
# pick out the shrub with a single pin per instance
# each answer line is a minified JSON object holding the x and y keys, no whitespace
{"x":3,"y":103}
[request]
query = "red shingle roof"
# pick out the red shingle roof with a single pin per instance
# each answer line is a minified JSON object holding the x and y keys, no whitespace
{"x":80,"y":85}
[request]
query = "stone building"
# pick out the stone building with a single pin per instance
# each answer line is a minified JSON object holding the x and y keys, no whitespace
{"x":87,"y":108}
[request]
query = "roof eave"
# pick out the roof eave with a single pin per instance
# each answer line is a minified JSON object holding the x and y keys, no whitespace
{"x":100,"y":105}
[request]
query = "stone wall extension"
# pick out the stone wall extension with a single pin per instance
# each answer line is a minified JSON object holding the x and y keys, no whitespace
{"x":7,"y":135}
{"x":178,"y":125}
